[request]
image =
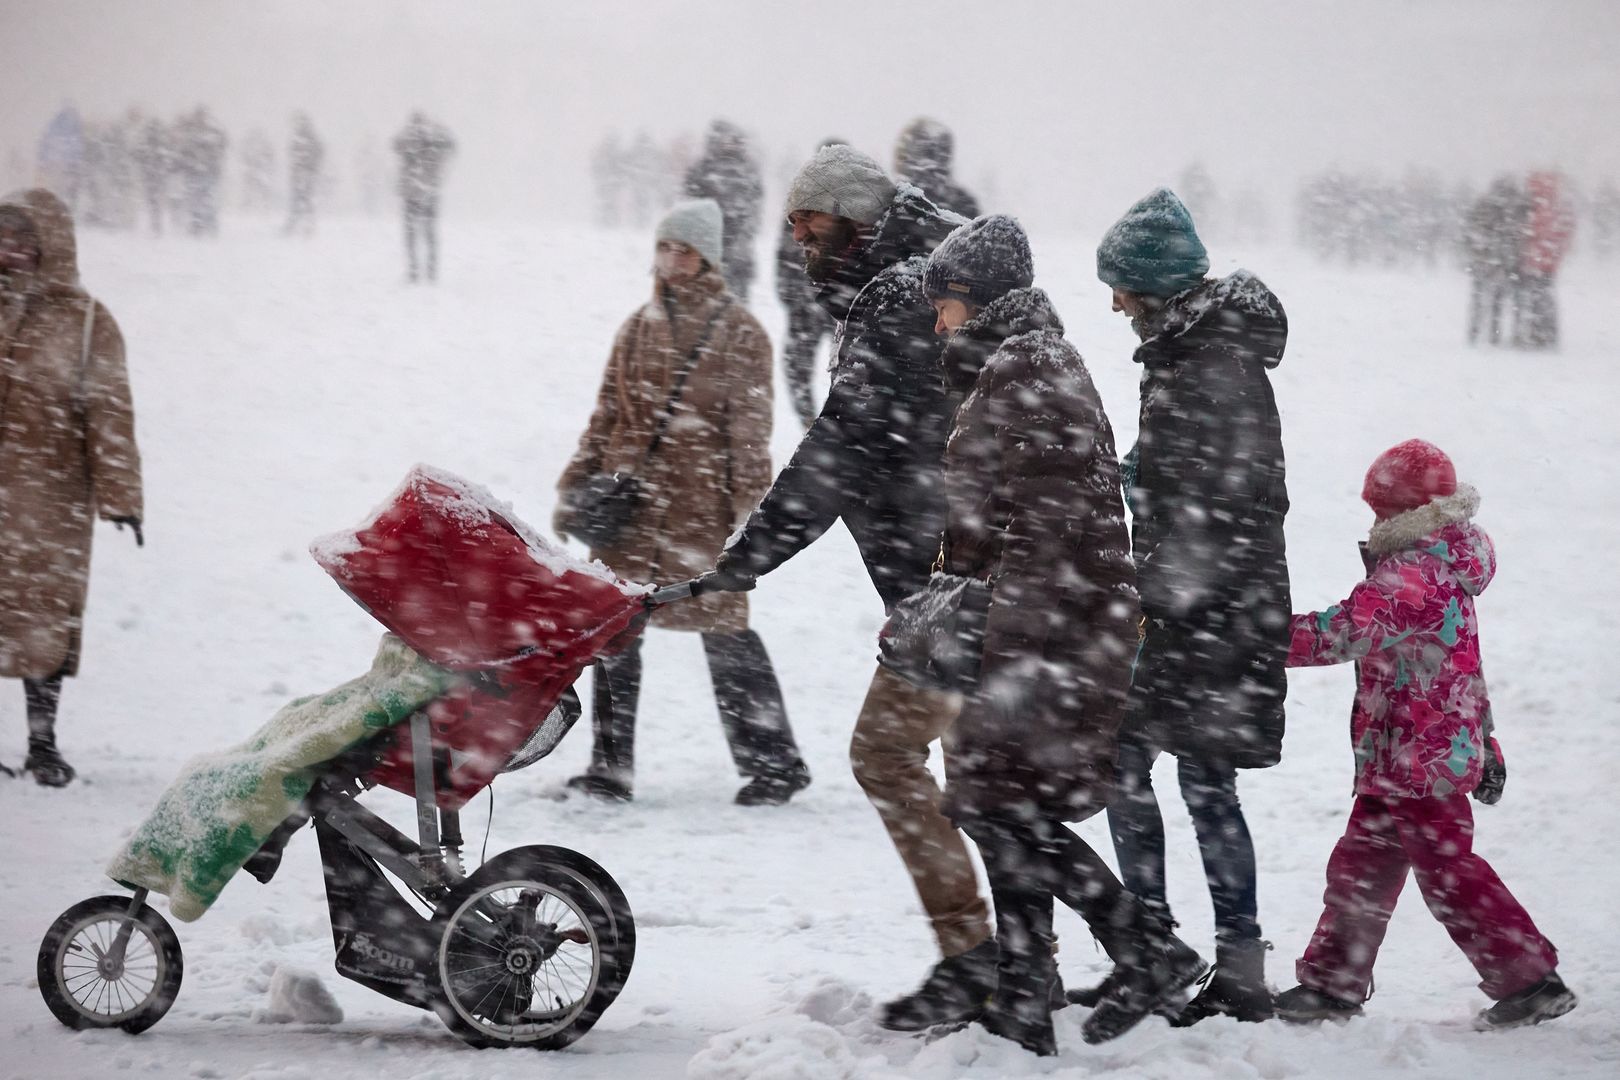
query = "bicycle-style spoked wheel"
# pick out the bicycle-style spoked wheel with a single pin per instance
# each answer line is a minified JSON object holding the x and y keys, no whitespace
{"x":528,"y":954}
{"x":100,"y":967}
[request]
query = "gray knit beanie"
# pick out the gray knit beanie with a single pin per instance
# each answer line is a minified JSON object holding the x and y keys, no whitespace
{"x":842,"y":181}
{"x":697,"y":224}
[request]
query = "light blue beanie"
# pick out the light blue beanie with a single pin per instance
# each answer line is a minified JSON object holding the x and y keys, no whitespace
{"x":1153,"y":250}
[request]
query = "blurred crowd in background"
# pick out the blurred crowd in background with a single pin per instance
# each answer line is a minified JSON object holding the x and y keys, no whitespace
{"x":182,"y":174}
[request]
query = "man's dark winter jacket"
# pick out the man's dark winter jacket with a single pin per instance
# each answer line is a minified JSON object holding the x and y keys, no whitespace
{"x":872,"y":457}
{"x":1035,"y":509}
{"x":1207,"y":502}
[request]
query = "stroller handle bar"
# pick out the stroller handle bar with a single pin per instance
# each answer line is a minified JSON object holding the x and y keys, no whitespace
{"x":668,"y":594}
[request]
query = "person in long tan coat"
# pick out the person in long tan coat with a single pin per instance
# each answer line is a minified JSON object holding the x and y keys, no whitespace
{"x":709,"y":467}
{"x":67,"y":456}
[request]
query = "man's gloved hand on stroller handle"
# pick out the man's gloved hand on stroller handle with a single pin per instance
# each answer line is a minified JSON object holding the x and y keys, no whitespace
{"x":727,"y":576}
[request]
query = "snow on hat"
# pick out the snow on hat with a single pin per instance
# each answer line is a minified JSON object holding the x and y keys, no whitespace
{"x":842,"y":181}
{"x":697,"y":224}
{"x":1153,"y":250}
{"x":1408,"y":476}
{"x":980,"y":261}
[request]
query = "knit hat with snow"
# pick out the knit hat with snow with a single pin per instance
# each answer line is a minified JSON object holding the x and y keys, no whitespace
{"x":1153,"y":250}
{"x":697,"y":224}
{"x":987,"y":258}
{"x":1406,"y":477}
{"x":842,"y":181}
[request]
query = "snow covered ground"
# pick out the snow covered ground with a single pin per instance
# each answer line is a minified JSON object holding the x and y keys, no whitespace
{"x":283,"y":388}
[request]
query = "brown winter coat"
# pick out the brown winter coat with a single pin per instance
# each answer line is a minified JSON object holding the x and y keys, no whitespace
{"x":67,"y":449}
{"x":713,"y":463}
{"x":1036,"y":510}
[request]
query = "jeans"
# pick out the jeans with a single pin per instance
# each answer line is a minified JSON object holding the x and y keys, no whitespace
{"x":1223,"y":838}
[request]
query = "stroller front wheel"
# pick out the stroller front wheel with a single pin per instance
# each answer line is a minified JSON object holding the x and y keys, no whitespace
{"x":87,"y":984}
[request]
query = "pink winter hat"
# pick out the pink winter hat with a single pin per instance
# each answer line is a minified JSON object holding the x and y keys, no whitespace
{"x":1408,"y":476}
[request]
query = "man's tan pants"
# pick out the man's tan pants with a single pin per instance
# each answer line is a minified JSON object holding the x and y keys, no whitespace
{"x":889,"y":754}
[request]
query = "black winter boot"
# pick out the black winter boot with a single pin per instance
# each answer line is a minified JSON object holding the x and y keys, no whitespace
{"x":601,"y":786}
{"x":1088,"y":996}
{"x":1021,"y":1007}
{"x":1236,"y":986}
{"x":954,"y":992}
{"x":1153,"y":985}
{"x":773,"y":789}
{"x":1302,"y":1005}
{"x":1546,"y":1000}
{"x":47,"y":764}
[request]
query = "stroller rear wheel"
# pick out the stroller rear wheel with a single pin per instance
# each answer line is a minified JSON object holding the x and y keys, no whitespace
{"x":531,"y":951}
{"x":87,"y":984}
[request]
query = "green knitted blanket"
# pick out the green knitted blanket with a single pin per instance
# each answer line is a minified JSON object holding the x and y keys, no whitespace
{"x":224,"y":805}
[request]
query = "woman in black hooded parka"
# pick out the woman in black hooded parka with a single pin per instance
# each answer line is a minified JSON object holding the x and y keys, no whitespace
{"x":1205,"y":483}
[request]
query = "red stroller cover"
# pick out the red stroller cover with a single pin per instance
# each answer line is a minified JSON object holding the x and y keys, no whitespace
{"x":467,"y":585}
{"x":454,"y":573}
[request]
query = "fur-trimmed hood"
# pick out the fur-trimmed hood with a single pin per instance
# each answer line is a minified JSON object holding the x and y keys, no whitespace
{"x":1443,"y":527}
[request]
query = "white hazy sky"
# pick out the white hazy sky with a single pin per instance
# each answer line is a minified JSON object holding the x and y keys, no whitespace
{"x":1075,"y":108}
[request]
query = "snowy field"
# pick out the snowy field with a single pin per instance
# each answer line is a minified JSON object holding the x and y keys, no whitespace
{"x":283,"y":388}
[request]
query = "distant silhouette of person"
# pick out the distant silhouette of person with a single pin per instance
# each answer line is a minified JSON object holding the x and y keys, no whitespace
{"x":304,"y":156}
{"x":424,"y":148}
{"x":1493,"y":232}
{"x":1549,"y":228}
{"x":923,"y":156}
{"x":728,"y":174}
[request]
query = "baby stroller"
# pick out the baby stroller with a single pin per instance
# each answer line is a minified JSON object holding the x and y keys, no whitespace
{"x":531,"y":947}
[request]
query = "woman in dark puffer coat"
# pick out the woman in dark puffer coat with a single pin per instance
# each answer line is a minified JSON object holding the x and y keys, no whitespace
{"x":1035,"y":512}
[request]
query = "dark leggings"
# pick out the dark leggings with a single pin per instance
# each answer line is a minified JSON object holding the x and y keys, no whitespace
{"x":1030,"y":863}
{"x":43,"y":696}
{"x":745,"y":689}
{"x":1223,"y":838}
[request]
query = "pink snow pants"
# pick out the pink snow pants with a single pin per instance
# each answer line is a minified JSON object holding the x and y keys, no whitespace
{"x":1433,"y":837}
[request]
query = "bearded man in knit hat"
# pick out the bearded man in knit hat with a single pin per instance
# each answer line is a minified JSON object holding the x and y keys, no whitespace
{"x":1205,"y":486}
{"x":685,"y":410}
{"x":872,"y":458}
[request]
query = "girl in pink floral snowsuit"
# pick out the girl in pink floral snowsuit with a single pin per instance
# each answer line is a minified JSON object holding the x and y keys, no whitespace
{"x":1420,"y":731}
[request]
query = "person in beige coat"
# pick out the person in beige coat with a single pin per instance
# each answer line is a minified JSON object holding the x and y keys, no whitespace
{"x":67,"y":456}
{"x":710,"y":465}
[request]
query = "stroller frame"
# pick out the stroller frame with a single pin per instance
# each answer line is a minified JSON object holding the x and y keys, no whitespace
{"x":517,"y":912}
{"x":530,"y":948}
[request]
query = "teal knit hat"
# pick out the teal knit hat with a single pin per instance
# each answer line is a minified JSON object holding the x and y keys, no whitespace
{"x":1153,"y":250}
